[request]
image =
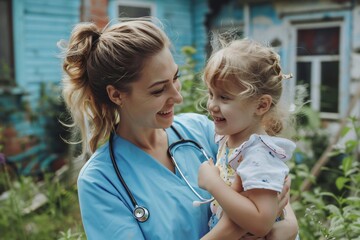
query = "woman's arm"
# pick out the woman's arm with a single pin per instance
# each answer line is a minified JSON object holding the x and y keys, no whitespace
{"x":255,"y":213}
{"x":286,"y":229}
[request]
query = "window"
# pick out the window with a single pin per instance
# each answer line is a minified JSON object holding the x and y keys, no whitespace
{"x":6,"y":53}
{"x":318,"y":66}
{"x":135,"y":9}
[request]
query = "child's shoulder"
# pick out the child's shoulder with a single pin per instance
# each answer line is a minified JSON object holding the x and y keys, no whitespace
{"x":281,"y":147}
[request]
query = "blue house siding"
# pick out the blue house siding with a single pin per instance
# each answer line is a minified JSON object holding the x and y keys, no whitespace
{"x":176,"y":15}
{"x":38,"y":26}
{"x":231,"y":14}
{"x":183,"y":22}
{"x":199,"y":32}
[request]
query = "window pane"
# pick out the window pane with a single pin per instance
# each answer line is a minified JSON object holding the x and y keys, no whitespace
{"x":329,"y":87}
{"x":130,"y":11}
{"x":6,"y":62}
{"x":303,"y":77}
{"x":318,"y":41}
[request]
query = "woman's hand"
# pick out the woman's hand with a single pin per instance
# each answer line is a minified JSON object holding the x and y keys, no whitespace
{"x":208,"y":172}
{"x":284,"y":196}
{"x":286,"y":229}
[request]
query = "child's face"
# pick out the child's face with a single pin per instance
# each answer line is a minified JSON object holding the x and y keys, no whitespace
{"x":233,"y":115}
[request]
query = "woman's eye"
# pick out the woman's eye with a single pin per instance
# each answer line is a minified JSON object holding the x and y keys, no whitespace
{"x":177,"y":77}
{"x":157,"y":92}
{"x":224,"y":97}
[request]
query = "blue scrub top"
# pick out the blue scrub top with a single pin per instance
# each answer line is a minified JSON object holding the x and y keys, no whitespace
{"x":106,"y":209}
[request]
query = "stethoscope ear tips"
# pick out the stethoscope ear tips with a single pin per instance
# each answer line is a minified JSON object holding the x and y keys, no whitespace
{"x":198,"y":203}
{"x":141,"y":214}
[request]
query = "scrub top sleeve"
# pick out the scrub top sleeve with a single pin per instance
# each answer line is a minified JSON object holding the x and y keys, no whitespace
{"x":104,"y":215}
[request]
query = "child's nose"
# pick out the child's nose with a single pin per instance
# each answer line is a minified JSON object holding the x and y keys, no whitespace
{"x":212,"y":106}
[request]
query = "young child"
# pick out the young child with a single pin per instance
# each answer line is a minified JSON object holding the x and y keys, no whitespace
{"x":244,"y":80}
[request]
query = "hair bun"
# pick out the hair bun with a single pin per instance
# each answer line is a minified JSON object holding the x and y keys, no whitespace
{"x":95,"y":37}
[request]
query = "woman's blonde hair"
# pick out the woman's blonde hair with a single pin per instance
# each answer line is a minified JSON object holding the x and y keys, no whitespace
{"x":94,"y":59}
{"x":251,"y":69}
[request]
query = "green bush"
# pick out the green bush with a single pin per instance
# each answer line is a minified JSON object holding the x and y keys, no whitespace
{"x":60,"y":212}
{"x":192,"y":86}
{"x":324,"y":214}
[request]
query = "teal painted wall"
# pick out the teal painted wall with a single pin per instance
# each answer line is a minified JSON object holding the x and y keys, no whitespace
{"x":38,"y":26}
{"x":183,"y":22}
{"x":229,"y":14}
{"x":200,"y":35}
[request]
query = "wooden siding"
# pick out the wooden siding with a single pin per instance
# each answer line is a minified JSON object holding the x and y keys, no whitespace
{"x":38,"y":26}
{"x":200,"y":32}
{"x":183,"y":22}
{"x":176,"y":16}
{"x":231,"y":14}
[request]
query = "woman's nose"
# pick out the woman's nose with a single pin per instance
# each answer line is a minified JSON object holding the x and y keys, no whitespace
{"x":177,"y":97}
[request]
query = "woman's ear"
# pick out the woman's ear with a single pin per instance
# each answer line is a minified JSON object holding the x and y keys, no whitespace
{"x":264,"y":104}
{"x":114,"y":95}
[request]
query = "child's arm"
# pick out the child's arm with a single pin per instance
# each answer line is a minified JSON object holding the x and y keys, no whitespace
{"x":256,"y":213}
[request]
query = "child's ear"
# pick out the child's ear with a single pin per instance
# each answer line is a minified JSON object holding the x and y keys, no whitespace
{"x":264,"y":104}
{"x":114,"y":95}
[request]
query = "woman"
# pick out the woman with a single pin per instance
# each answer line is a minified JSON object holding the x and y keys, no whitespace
{"x":124,"y":80}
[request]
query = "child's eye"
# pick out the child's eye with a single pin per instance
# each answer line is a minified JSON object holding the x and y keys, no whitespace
{"x":210,"y":94}
{"x":224,"y":97}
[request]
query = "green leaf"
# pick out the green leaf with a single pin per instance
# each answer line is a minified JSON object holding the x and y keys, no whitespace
{"x":341,"y":181}
{"x":346,"y":164}
{"x":350,"y":145}
{"x":329,"y":194}
{"x":333,"y":209}
{"x":345,"y":131}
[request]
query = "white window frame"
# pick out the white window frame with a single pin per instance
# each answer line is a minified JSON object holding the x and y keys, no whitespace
{"x":316,"y":65}
{"x":136,"y":4}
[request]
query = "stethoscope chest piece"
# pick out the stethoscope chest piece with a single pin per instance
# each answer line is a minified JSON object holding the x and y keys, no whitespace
{"x":141,"y":213}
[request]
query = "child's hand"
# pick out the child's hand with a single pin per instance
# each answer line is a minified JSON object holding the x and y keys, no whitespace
{"x":207,"y":173}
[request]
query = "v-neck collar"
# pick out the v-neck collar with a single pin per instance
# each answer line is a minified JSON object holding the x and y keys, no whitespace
{"x":142,"y":157}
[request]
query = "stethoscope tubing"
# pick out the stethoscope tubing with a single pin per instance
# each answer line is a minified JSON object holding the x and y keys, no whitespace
{"x":141,"y":213}
{"x":132,"y":198}
{"x":187,"y":182}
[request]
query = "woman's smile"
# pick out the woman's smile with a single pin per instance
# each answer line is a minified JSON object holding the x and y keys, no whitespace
{"x":166,"y":114}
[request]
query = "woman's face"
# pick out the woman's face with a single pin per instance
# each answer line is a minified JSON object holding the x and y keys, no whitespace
{"x":150,"y":104}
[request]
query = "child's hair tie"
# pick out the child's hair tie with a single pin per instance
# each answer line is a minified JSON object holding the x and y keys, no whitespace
{"x":287,"y":76}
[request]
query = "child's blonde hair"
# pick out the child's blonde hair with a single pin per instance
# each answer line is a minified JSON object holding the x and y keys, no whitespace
{"x":250,"y":69}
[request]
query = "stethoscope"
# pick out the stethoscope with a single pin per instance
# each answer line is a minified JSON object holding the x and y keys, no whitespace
{"x":141,"y":213}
